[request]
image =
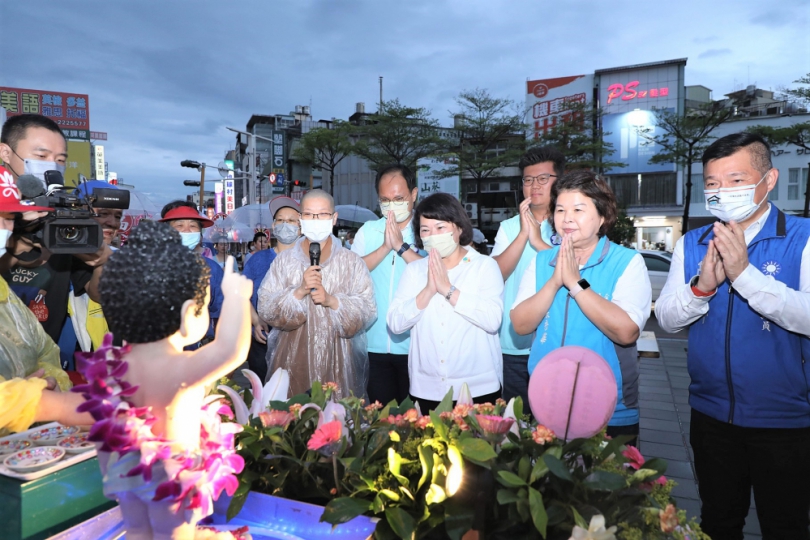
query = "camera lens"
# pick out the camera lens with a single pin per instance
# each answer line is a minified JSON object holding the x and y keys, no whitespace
{"x":71,"y":235}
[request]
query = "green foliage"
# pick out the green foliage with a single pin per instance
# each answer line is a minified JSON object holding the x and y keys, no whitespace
{"x":325,"y":148}
{"x":398,"y":134}
{"x":623,"y":231}
{"x":800,"y":94}
{"x":444,"y":473}
{"x":797,"y":134}
{"x":582,"y":144}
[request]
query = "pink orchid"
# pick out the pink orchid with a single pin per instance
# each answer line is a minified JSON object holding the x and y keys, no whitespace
{"x":636,"y":460}
{"x":494,"y":427}
{"x":326,"y":438}
{"x":275,"y":418}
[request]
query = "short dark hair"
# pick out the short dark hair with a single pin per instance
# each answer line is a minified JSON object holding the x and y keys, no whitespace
{"x":404,"y":170}
{"x":177,"y":204}
{"x":258,"y":235}
{"x":543,"y":154}
{"x":444,"y":207}
{"x":146,"y":282}
{"x":758,"y":148}
{"x":592,"y":186}
{"x":350,"y":235}
{"x":16,"y":127}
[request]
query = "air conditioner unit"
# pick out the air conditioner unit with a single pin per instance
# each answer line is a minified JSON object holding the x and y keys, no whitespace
{"x":472,"y":210}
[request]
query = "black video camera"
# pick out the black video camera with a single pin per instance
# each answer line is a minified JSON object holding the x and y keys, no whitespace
{"x":70,"y":228}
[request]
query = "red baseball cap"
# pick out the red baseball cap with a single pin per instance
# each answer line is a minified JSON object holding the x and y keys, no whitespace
{"x":10,"y":199}
{"x":185,"y":212}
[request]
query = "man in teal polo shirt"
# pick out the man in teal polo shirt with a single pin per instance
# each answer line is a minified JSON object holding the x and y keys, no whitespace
{"x":518,"y":240}
{"x":386,"y":246}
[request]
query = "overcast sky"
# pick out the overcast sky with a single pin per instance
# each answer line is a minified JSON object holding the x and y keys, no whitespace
{"x":166,"y":77}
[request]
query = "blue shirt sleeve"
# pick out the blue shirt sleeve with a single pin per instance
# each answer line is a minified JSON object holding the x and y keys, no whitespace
{"x":215,"y":305}
{"x":256,"y":268}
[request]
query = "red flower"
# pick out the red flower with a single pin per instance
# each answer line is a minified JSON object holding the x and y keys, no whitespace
{"x":275,"y":418}
{"x":636,"y":460}
{"x":326,"y":436}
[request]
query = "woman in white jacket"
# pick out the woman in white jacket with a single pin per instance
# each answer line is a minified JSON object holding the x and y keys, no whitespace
{"x":451,"y":301}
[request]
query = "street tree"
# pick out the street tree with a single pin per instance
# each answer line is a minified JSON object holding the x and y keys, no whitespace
{"x":796,"y":134}
{"x":683,"y":139}
{"x":577,"y":135}
{"x":324,"y":148}
{"x":801,"y":94}
{"x":398,"y":134}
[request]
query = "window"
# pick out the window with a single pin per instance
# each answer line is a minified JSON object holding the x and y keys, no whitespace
{"x":793,"y":183}
{"x":697,"y":189}
{"x":656,"y":264}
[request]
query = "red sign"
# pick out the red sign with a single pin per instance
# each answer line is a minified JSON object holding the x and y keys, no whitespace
{"x":67,"y":110}
{"x":630,"y":92}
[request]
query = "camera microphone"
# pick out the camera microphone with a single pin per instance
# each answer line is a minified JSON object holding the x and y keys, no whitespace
{"x":30,"y":186}
{"x":314,"y":253}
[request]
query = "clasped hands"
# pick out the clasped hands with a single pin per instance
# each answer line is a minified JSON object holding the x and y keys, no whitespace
{"x":312,"y":285}
{"x":438,"y":280}
{"x":566,"y":273}
{"x":393,"y":239}
{"x":727,"y":256}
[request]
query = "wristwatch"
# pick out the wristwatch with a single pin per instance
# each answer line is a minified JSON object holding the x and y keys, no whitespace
{"x":405,"y":247}
{"x":581,"y":285}
{"x":450,"y":292}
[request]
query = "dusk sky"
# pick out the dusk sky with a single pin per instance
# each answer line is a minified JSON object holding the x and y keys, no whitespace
{"x":165,"y":77}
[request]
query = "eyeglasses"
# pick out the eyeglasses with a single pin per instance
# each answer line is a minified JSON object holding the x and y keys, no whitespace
{"x":541,"y":179}
{"x":322,"y":215}
{"x":287,"y":221}
{"x":396,"y":200}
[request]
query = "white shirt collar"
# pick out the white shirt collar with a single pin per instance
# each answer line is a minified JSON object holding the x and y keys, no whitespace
{"x":756,"y":226}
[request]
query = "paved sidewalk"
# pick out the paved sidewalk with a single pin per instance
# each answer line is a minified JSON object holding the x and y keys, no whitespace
{"x":665,"y":418}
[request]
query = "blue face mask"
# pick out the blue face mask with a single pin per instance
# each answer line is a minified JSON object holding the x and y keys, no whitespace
{"x":191,"y":239}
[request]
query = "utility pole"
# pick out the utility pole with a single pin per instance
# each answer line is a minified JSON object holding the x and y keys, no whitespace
{"x":381,"y":95}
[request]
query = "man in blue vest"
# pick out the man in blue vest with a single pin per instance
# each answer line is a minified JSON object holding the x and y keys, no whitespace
{"x":742,"y":287}
{"x":386,"y":246}
{"x":518,"y":240}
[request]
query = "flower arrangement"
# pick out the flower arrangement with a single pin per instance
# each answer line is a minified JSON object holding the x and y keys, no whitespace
{"x":458,"y":468}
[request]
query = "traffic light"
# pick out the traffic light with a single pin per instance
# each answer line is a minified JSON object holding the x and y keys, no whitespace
{"x":190,"y":164}
{"x":194,"y":183}
{"x":297,"y":183}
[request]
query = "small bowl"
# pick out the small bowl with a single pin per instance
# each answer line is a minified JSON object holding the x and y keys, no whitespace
{"x":76,"y":444}
{"x":10,"y":446}
{"x":34,"y":458}
{"x":49,"y":436}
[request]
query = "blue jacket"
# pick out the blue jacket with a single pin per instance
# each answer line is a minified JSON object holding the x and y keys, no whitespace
{"x":256,"y":268}
{"x":565,"y":324}
{"x":746,"y":370}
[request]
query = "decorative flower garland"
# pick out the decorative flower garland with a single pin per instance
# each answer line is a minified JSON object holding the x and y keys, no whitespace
{"x":195,"y":478}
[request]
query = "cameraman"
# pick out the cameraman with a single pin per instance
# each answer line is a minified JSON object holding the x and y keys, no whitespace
{"x":33,"y":144}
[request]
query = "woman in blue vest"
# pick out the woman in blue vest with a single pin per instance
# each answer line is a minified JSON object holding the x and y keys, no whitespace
{"x":587,"y":291}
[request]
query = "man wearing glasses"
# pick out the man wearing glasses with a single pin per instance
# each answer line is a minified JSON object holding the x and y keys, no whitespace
{"x":518,"y":240}
{"x":386,"y":248}
{"x":321,"y":311}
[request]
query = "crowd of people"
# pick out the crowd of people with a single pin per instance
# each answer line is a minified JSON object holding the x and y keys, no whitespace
{"x":409,"y":308}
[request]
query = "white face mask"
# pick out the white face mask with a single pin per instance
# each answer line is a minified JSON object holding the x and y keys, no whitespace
{"x":443,"y":243}
{"x":286,"y":233}
{"x":4,"y":236}
{"x":38,"y":168}
{"x":734,"y":203}
{"x":400,"y":210}
{"x":191,"y":239}
{"x":316,"y":230}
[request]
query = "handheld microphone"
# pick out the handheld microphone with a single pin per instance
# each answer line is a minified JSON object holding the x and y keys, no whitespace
{"x":30,"y":186}
{"x":314,"y":254}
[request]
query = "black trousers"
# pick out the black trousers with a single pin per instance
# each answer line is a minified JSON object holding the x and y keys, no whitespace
{"x":388,"y":377}
{"x":730,"y":459}
{"x":426,"y":405}
{"x":257,"y":359}
{"x":615,"y":431}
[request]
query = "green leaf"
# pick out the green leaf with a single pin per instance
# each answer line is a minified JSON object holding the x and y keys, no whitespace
{"x":517,"y":407}
{"x":538,"y":509}
{"x":395,"y":466}
{"x":506,"y":496}
{"x":317,"y":394}
{"x":477,"y":449}
{"x":656,"y":464}
{"x":426,"y":461}
{"x":394,"y":496}
{"x":377,"y":505}
{"x":459,"y":516}
{"x":579,"y":520}
{"x":557,"y":467}
{"x":605,"y":481}
{"x":344,"y":509}
{"x":401,"y":522}
{"x":435,"y":495}
{"x":394,"y":435}
{"x":539,"y":471}
{"x":524,"y":467}
{"x":438,"y":426}
{"x":510,"y":479}
{"x":238,"y":500}
{"x":446,"y":404}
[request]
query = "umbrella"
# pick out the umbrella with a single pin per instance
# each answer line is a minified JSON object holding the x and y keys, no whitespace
{"x":140,"y":207}
{"x":232,"y":230}
{"x":255,"y":216}
{"x":355,"y":214}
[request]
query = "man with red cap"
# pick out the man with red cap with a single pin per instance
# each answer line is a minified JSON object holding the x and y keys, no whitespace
{"x":183,"y":217}
{"x":25,"y":348}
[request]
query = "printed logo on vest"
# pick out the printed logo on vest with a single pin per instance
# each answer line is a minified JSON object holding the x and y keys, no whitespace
{"x":771,"y":268}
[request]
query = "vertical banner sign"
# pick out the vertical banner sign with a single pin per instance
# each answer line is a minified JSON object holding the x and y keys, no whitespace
{"x":218,"y":197}
{"x":70,"y":111}
{"x":549,"y":101}
{"x":229,"y":196}
{"x":430,"y":176}
{"x":98,"y":162}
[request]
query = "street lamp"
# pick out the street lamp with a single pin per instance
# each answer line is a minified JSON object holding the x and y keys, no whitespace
{"x":200,"y":167}
{"x":252,"y":151}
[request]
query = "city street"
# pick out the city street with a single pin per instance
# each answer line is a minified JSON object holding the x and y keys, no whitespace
{"x":665,"y":420}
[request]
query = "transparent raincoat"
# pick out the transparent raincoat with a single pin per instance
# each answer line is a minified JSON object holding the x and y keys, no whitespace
{"x":24,"y":345}
{"x":312,"y":342}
